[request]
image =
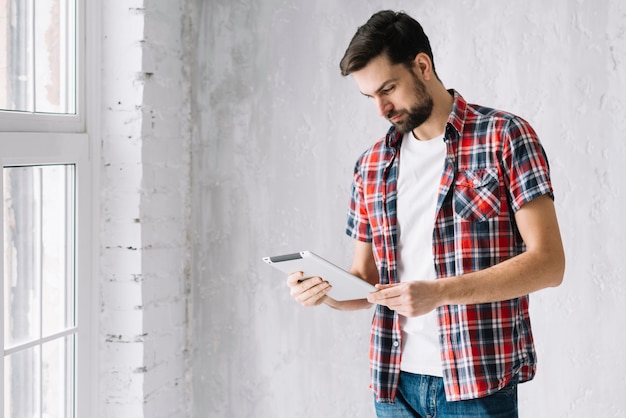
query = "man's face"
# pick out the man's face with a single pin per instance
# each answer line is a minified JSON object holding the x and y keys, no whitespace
{"x":400,"y":96}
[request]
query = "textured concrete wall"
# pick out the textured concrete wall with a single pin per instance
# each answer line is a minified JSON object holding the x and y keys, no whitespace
{"x":276,"y":132}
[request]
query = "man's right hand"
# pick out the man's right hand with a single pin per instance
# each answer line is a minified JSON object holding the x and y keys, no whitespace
{"x":313,"y":291}
{"x":308,"y":292}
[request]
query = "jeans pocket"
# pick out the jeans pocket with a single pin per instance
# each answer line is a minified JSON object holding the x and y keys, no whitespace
{"x":509,"y":390}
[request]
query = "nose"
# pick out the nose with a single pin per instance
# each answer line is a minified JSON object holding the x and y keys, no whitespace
{"x":384,"y":106}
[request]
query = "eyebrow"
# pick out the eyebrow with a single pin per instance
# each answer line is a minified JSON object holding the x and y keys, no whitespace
{"x":382,"y":86}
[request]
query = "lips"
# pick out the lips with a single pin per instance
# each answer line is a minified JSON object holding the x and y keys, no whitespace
{"x":395,"y":118}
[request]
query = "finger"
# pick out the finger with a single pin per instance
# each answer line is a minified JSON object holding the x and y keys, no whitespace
{"x":313,"y":295}
{"x":305,"y":286}
{"x":385,"y":286}
{"x":294,"y":278}
{"x":314,"y":300}
{"x":384,"y":293}
{"x":391,"y":303}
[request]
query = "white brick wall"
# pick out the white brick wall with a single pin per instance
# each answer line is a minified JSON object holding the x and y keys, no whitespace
{"x":145,"y":210}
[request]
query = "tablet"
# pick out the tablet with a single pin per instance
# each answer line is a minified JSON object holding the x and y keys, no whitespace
{"x":345,"y":286}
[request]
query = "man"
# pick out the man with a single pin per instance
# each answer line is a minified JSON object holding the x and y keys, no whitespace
{"x":453,"y":218}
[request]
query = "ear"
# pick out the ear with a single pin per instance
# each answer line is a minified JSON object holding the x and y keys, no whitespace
{"x":424,"y":66}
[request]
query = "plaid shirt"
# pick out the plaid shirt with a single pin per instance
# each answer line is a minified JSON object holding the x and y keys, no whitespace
{"x":494,"y":165}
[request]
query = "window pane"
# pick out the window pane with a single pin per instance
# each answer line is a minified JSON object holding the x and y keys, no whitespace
{"x":22,"y":384}
{"x":58,"y":378}
{"x":38,"y":252}
{"x":37,"y":62}
{"x":22,"y":258}
{"x":57,"y":238}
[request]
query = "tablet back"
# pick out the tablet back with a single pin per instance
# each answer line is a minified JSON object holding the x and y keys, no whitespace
{"x":345,"y":286}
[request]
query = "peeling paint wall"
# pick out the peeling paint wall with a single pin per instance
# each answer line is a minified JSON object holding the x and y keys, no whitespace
{"x":276,"y":133}
{"x":143,"y":341}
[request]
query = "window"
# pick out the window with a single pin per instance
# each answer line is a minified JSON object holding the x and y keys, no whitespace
{"x":39,"y":287}
{"x":40,"y":65}
{"x":45,"y":184}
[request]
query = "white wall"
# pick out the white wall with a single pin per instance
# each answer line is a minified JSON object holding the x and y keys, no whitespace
{"x":263,"y":166}
{"x":276,"y":132}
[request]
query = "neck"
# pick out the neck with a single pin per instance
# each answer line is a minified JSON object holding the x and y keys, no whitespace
{"x":436,"y":123}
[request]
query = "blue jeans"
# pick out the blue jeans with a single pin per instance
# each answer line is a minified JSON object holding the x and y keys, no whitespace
{"x":422,"y":396}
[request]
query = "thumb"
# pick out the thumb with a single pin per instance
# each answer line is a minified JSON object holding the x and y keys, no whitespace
{"x":384,"y":286}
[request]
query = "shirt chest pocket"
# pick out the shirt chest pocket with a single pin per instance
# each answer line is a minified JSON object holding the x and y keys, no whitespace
{"x":477,"y":194}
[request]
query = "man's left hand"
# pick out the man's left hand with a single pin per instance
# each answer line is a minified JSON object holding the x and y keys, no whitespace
{"x":408,"y":298}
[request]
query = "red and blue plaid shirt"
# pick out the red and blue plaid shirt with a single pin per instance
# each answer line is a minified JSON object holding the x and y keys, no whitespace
{"x":494,"y":165}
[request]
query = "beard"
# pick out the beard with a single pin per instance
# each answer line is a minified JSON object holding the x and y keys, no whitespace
{"x":418,"y":113}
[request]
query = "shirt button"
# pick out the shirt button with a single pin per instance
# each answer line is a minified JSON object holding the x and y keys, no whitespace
{"x":396,"y":343}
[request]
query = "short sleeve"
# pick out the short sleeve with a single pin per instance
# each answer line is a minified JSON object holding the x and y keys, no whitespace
{"x":358,"y":226}
{"x":526,"y":164}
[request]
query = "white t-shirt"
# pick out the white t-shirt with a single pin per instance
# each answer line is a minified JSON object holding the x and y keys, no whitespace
{"x":420,"y":168}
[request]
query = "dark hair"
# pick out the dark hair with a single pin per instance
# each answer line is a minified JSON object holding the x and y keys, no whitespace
{"x":394,"y":33}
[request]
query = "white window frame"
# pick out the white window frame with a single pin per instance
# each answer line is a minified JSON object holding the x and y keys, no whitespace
{"x":28,"y":139}
{"x":28,"y":149}
{"x":17,"y":121}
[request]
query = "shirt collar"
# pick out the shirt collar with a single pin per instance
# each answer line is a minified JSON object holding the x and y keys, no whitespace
{"x":393,"y":138}
{"x":454,"y":127}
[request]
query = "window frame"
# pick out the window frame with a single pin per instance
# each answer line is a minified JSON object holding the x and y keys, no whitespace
{"x":21,"y":121}
{"x":60,"y":148}
{"x":28,"y":139}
